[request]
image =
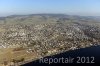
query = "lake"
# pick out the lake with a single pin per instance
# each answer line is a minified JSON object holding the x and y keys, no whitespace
{"x":89,"y":55}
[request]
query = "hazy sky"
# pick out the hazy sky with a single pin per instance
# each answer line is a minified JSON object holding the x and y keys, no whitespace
{"x":76,"y":7}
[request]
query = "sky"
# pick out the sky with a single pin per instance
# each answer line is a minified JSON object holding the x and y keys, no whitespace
{"x":71,"y":7}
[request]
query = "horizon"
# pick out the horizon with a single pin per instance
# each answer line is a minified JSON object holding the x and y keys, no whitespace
{"x":48,"y":14}
{"x":70,"y":7}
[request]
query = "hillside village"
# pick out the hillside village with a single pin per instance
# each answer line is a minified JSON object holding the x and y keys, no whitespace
{"x":47,"y":35}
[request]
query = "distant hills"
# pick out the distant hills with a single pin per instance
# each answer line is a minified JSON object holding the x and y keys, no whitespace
{"x":50,"y":17}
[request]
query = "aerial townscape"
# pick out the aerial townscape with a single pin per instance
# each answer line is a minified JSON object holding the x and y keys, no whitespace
{"x":25,"y":38}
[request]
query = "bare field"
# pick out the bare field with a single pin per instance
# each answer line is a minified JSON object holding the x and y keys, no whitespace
{"x":9,"y":54}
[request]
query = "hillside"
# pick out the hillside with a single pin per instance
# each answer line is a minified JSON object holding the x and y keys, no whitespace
{"x":40,"y":35}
